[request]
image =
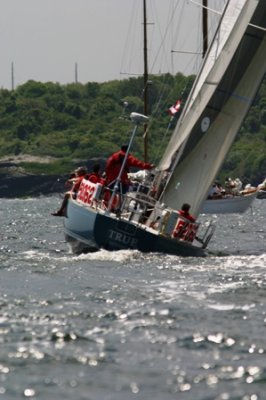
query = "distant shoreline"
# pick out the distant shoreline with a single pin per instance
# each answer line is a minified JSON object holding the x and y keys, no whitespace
{"x":18,"y":183}
{"x":30,"y":185}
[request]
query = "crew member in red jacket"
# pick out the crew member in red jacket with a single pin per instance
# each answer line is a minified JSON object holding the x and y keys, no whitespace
{"x":95,"y":175}
{"x":184,"y":212}
{"x":81,"y":173}
{"x":75,"y":181}
{"x":113,"y":166}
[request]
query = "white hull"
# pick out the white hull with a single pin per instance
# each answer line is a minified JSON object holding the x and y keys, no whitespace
{"x":228,"y":205}
{"x":88,"y":229}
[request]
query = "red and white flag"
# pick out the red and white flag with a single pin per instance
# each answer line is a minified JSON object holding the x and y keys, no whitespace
{"x":175,"y":108}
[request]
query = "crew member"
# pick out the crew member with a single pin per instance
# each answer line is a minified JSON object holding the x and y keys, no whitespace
{"x":80,"y":173}
{"x":184,"y":212}
{"x":95,"y":175}
{"x":185,"y":230}
{"x":113,"y":166}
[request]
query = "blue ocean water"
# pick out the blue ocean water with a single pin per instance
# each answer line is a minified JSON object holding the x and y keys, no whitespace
{"x":125,"y":325}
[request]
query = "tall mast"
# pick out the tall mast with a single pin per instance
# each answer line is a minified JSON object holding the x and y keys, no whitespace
{"x":204,"y":27}
{"x":145,"y":79}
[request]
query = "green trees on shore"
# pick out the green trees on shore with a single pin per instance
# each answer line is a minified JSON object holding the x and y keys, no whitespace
{"x":84,"y":121}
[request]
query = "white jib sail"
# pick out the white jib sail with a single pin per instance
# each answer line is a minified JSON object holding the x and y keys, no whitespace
{"x":233,"y":69}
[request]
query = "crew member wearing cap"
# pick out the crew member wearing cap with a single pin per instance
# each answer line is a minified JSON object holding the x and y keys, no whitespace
{"x":80,"y":173}
{"x":114,"y":163}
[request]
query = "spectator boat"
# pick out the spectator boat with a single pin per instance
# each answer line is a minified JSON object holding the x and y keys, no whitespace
{"x":231,"y":198}
{"x":229,"y":203}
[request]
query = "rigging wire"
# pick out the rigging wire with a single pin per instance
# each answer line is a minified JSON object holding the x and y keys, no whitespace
{"x":169,"y":32}
{"x":130,"y":43}
{"x":213,"y":22}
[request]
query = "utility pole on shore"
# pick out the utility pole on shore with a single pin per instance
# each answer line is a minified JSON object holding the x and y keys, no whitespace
{"x":12,"y":76}
{"x":76,"y":72}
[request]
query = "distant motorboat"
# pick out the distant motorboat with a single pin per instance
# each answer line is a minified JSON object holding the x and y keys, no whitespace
{"x":231,"y":199}
{"x":229,"y":203}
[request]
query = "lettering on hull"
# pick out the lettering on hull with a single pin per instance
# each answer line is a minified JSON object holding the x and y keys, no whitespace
{"x":122,"y":239}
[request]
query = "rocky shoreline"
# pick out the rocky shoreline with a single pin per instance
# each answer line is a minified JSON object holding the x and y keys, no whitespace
{"x":15,"y":182}
{"x":30,"y":185}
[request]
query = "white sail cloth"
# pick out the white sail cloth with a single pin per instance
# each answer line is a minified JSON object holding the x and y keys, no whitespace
{"x":221,"y":97}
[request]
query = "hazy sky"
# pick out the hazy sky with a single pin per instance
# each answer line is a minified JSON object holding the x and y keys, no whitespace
{"x":45,"y":38}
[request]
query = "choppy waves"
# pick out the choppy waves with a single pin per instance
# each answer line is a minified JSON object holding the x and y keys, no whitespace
{"x":126,"y":325}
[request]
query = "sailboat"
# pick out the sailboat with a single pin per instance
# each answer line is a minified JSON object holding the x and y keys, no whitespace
{"x":147,"y":218}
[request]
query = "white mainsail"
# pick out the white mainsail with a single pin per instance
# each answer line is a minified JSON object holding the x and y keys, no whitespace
{"x":232,"y":71}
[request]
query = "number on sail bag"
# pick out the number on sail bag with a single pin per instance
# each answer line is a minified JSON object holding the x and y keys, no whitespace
{"x":89,"y":192}
{"x":185,"y":230}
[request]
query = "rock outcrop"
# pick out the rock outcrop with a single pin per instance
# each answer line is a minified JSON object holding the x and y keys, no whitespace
{"x":16,"y":182}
